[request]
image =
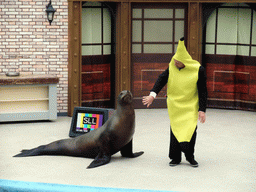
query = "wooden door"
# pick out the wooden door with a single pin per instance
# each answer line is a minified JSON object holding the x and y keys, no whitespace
{"x":230,"y":57}
{"x":98,"y":60}
{"x":156,"y":30}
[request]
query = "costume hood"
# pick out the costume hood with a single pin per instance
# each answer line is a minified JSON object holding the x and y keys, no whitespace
{"x":182,"y":54}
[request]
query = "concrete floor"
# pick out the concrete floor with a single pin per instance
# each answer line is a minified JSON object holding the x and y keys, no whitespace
{"x":225,"y":150}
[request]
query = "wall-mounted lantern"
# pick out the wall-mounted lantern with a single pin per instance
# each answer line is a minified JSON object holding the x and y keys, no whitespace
{"x":50,"y":12}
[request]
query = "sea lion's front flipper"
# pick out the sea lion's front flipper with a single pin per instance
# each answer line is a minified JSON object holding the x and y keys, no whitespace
{"x":126,"y":151}
{"x":101,"y":159}
{"x":104,"y":155}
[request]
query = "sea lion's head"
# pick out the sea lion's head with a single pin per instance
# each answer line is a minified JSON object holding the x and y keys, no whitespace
{"x":125,"y":97}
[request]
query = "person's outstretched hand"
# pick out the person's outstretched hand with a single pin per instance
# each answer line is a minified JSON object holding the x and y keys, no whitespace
{"x":201,"y":116}
{"x":147,"y":100}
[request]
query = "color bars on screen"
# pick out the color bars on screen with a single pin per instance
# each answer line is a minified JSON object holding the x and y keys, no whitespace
{"x":87,"y":122}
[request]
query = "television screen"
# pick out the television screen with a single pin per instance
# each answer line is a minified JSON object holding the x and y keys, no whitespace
{"x":86,"y":119}
{"x":87,"y":122}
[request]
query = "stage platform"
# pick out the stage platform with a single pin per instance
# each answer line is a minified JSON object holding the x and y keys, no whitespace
{"x":225,"y":151}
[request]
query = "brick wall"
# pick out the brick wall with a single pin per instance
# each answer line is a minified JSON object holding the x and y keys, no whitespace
{"x":28,"y":43}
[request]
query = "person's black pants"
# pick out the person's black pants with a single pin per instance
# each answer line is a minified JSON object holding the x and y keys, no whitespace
{"x":186,"y":147}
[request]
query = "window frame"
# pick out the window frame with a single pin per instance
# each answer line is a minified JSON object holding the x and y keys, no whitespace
{"x":215,"y":44}
{"x":173,"y":43}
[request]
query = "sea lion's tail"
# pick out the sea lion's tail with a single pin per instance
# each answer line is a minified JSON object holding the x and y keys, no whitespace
{"x":31,"y":152}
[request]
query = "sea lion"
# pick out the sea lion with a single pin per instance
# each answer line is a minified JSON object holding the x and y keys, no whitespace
{"x":115,"y":135}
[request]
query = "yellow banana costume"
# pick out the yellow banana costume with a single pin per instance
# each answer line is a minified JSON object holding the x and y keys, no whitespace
{"x":182,"y":95}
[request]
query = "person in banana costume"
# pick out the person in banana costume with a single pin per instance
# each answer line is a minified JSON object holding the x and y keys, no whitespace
{"x":186,"y":102}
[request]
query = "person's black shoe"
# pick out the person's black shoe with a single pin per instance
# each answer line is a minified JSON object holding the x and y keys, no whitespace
{"x":193,"y":163}
{"x":174,"y":163}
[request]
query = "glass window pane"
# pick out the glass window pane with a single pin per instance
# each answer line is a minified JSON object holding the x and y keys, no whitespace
{"x":209,"y":49}
{"x":179,"y":13}
{"x":158,"y":48}
{"x":136,"y":31}
{"x":158,"y":13}
{"x":136,"y":48}
{"x":91,"y":25}
{"x":92,"y":4}
{"x":91,"y":50}
{"x":106,"y":49}
{"x":158,"y":31}
{"x":244,"y":26}
{"x":243,"y":50}
{"x":254,"y":28}
{"x":226,"y":49}
{"x":179,"y":30}
{"x":137,"y":13}
{"x":253,"y":52}
{"x":106,"y":26}
{"x":227,"y":26}
{"x":229,"y":4}
{"x":175,"y":47}
{"x":235,"y":5}
{"x":210,"y":28}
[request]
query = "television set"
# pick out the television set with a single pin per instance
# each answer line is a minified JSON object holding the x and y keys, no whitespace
{"x":86,"y":119}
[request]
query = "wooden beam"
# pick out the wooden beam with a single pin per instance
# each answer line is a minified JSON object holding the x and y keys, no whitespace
{"x":70,"y":61}
{"x":123,"y":53}
{"x":172,"y":1}
{"x":194,"y":30}
{"x":74,"y":56}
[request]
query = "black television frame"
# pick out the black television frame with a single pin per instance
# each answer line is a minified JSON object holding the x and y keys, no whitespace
{"x":104,"y":111}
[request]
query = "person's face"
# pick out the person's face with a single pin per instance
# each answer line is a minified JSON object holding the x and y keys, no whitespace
{"x":178,"y":64}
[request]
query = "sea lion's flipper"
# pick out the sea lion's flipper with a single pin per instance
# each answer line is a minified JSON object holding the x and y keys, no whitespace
{"x":30,"y":152}
{"x":104,"y":155}
{"x":101,"y":159}
{"x":126,"y":151}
